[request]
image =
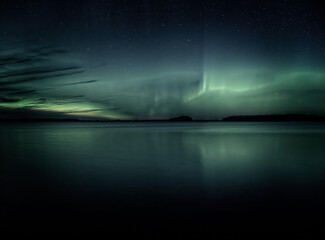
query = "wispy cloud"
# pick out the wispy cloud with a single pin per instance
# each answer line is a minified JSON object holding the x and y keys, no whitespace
{"x":8,"y":100}
{"x":77,"y":83}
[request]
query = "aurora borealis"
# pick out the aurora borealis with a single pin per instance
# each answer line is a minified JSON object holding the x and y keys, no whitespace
{"x":148,"y":59}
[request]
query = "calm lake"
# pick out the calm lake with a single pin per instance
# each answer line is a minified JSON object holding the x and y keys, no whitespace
{"x":104,"y":176}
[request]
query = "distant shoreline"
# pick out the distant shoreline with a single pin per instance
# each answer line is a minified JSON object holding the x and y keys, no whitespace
{"x":239,"y":118}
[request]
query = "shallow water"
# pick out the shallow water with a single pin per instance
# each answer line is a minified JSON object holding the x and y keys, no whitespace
{"x":247,"y":176}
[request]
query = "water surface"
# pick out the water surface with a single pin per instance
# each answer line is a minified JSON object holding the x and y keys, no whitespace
{"x":79,"y":176}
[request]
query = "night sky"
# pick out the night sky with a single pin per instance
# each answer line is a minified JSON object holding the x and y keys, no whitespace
{"x":152,"y":59}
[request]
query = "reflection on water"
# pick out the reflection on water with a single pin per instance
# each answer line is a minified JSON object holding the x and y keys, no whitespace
{"x":210,"y":171}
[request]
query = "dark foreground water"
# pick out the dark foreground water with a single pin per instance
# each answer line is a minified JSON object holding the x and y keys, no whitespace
{"x":162,"y":177}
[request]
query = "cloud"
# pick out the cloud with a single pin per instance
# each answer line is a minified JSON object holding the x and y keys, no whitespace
{"x":77,"y":83}
{"x":20,"y":56}
{"x":25,"y":79}
{"x":24,"y":92}
{"x":22,"y":71}
{"x":28,"y":113}
{"x":36,"y":71}
{"x":85,"y":111}
{"x":8,"y":100}
{"x":8,"y":89}
{"x":72,"y":96}
{"x":30,"y":64}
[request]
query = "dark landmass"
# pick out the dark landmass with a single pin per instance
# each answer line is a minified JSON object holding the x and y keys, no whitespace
{"x":241,"y":118}
{"x":181,"y":119}
{"x":275,"y":118}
